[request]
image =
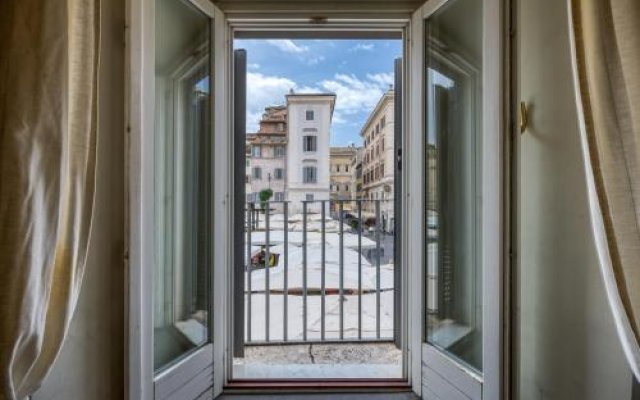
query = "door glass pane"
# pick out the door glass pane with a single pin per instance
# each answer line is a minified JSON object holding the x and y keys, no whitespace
{"x":182,"y":181}
{"x":453,"y":163}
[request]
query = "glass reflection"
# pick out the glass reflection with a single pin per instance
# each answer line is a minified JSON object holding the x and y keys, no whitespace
{"x":453,"y":162}
{"x":182,"y":181}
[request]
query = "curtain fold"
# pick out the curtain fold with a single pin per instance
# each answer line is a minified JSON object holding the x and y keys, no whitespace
{"x":606,"y":63}
{"x":48,"y":116}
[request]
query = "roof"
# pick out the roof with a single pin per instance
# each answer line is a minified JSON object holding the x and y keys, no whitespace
{"x":267,"y":139}
{"x":302,"y":95}
{"x":389,"y":95}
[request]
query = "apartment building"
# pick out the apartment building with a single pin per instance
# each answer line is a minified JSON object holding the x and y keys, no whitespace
{"x":309,"y":126}
{"x":377,"y":161}
{"x":356,"y":175}
{"x":340,"y":160}
{"x":266,"y":156}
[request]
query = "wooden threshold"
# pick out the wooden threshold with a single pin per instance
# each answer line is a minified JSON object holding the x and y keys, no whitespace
{"x":316,"y":385}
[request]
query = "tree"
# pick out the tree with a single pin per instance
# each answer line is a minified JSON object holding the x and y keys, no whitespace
{"x":265,"y":195}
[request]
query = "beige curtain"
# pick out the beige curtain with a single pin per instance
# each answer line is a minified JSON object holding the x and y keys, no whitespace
{"x":48,"y":86}
{"x":606,"y":46}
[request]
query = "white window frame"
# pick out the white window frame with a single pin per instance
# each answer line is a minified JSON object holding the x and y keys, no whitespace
{"x":140,"y":36}
{"x":442,"y":376}
{"x":191,"y":375}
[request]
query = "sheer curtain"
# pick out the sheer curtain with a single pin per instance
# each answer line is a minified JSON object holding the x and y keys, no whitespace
{"x":606,"y":46}
{"x":48,"y":94}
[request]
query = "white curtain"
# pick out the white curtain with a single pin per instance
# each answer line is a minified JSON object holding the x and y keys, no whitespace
{"x":606,"y":55}
{"x":48,"y":94}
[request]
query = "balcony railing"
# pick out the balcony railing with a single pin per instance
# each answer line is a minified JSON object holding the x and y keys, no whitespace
{"x":306,"y":266}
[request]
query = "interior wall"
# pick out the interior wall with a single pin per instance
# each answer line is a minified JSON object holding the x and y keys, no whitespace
{"x":568,"y":344}
{"x":91,"y":363}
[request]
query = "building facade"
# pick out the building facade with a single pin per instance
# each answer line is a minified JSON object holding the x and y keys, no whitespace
{"x":340,"y":160}
{"x":267,"y":155}
{"x":378,"y":161}
{"x":309,"y":123}
{"x":356,"y":176}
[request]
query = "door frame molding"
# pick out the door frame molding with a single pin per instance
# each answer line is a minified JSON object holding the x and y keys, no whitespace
{"x":139,"y":133}
{"x":270,"y":26}
{"x":490,"y":383}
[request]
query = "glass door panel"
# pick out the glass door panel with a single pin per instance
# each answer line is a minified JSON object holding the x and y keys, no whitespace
{"x":453,"y":39}
{"x":182,"y":295}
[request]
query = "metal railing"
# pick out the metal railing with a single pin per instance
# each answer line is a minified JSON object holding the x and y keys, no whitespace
{"x":262,"y":261}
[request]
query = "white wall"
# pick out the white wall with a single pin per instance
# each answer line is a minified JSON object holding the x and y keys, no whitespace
{"x":91,"y":364}
{"x":568,"y":344}
{"x":297,"y":159}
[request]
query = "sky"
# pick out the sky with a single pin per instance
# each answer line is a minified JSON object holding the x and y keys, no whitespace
{"x":357,"y":71}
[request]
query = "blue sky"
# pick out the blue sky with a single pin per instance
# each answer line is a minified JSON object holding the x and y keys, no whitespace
{"x":358,"y":71}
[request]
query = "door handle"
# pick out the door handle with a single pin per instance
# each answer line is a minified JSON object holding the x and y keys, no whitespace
{"x":523,"y":117}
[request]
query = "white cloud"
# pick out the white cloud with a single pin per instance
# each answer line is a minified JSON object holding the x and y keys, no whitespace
{"x":305,"y":54}
{"x":262,"y":91}
{"x":355,"y":94}
{"x":288,"y":46}
{"x":363,"y":47}
{"x":313,"y":60}
{"x":383,"y":79}
{"x":253,"y":66}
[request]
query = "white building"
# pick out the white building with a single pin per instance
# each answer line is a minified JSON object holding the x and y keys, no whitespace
{"x":378,"y":161}
{"x":266,"y":156}
{"x":309,"y":126}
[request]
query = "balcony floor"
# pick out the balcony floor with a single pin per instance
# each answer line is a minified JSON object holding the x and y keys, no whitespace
{"x":320,"y":361}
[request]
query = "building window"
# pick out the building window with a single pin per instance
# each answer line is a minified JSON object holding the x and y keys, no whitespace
{"x":256,"y":151}
{"x":279,"y":151}
{"x":346,"y":168}
{"x":280,"y":127}
{"x":309,"y":174}
{"x":310,"y":115}
{"x":257,"y":173}
{"x":309,"y":143}
{"x":278,"y":174}
{"x":338,"y":168}
{"x":383,"y":122}
{"x":279,"y":196}
{"x":346,"y":188}
{"x":309,"y":197}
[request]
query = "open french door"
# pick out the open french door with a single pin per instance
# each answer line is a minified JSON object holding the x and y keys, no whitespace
{"x":176,"y":86}
{"x":455,"y":136}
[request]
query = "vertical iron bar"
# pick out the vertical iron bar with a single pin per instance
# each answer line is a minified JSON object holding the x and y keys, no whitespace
{"x":322,"y":272}
{"x":249,"y":231}
{"x":341,"y":254}
{"x":286,"y":270}
{"x":377,"y":269}
{"x":304,"y":270}
{"x":359,"y":269}
{"x":266,"y":271}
